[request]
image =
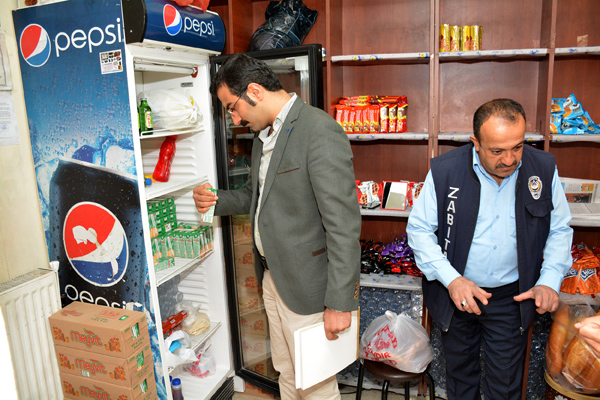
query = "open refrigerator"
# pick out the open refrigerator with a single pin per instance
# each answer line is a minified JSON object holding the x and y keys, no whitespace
{"x":85,"y":64}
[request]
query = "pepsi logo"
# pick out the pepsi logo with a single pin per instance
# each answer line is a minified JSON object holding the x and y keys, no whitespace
{"x":35,"y":45}
{"x":95,"y":243}
{"x":172,"y":20}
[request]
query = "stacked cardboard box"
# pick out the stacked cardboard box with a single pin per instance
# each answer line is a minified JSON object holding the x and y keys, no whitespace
{"x":103,"y":351}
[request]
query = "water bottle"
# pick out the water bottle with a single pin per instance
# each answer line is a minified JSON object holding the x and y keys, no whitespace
{"x":176,"y":389}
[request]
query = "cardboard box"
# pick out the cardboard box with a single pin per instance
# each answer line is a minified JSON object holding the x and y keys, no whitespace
{"x":100,"y":329}
{"x":246,"y":279}
{"x":80,"y":387}
{"x":255,"y":323}
{"x":95,"y":367}
{"x":244,"y":255}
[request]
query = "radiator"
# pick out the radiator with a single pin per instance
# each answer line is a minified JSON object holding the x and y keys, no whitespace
{"x":27,"y":301}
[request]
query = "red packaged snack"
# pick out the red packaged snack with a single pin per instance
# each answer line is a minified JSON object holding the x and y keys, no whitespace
{"x":359,"y":121}
{"x":402,"y":117}
{"x":345,"y":118}
{"x":339,"y":114}
{"x":384,"y":118}
{"x":351,"y":120}
{"x":374,"y":119}
{"x":393,"y":128}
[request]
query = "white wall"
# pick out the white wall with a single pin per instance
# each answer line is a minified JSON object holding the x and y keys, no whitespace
{"x":22,"y":243}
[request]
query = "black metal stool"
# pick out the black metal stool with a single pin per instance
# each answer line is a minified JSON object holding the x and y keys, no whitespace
{"x":390,"y":374}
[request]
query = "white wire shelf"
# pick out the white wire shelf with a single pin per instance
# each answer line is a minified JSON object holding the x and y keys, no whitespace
{"x":491,"y":54}
{"x":388,"y":136}
{"x":158,"y":189}
{"x":465,"y":136}
{"x":378,"y":212}
{"x":420,"y":56}
{"x":391,"y":281}
{"x":576,"y":138}
{"x":181,"y":265}
{"x":170,"y":132}
{"x":573,"y":51}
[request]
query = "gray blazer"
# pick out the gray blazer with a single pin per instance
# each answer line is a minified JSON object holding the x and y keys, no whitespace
{"x":310,"y":220}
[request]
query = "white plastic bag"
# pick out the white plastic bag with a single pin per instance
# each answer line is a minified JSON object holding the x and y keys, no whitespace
{"x":204,"y":365}
{"x":183,"y":354}
{"x":172,"y":109}
{"x":397,"y":340}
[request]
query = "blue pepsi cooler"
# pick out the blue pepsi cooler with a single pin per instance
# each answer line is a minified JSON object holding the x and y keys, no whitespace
{"x":162,"y":22}
{"x":96,"y":229}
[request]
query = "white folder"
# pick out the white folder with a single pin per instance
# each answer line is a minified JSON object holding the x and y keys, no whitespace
{"x":318,"y":358}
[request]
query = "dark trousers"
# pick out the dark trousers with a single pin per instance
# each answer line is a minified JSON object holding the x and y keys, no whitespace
{"x":498,"y":330}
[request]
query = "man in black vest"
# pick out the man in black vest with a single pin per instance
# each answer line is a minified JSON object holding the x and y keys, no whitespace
{"x":490,"y":231}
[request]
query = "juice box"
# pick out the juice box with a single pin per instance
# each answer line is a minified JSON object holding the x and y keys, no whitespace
{"x":100,"y":329}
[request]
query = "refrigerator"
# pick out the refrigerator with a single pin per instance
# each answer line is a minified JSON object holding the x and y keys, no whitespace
{"x":85,"y":65}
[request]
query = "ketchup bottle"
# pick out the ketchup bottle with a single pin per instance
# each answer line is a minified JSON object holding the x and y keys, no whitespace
{"x":165,"y":158}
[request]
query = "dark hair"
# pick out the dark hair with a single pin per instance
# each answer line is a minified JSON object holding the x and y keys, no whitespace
{"x":503,"y":108}
{"x":239,"y":70}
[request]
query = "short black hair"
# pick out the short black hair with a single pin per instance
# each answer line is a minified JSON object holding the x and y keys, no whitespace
{"x":507,"y":109}
{"x":240,"y":70}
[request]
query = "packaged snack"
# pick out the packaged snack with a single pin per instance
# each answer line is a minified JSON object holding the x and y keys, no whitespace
{"x":393,"y":125}
{"x":374,"y":119}
{"x":555,"y":123}
{"x":383,"y":118}
{"x":402,"y":117}
{"x":351,"y":119}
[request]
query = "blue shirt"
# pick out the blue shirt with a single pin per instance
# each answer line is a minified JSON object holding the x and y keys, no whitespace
{"x":492,"y":260}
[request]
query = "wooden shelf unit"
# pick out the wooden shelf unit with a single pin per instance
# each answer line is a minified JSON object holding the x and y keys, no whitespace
{"x":529,"y":53}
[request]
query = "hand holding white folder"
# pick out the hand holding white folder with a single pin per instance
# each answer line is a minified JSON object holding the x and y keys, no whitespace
{"x":318,"y":358}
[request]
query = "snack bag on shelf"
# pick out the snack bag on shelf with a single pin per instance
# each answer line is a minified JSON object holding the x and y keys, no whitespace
{"x":582,"y":277}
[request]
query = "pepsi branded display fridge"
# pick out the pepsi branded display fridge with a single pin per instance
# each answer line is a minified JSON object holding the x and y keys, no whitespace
{"x":83,"y":78}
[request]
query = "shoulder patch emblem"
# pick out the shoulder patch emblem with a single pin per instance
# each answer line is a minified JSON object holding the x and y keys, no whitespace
{"x":535,"y":187}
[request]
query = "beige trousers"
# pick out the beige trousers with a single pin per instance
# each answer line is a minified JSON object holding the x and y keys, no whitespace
{"x":282,"y":324}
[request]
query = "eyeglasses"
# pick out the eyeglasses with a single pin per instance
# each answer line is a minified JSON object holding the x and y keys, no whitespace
{"x":232,"y":109}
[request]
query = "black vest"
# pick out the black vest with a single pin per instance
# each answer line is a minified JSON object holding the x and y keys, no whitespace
{"x":458,"y":192}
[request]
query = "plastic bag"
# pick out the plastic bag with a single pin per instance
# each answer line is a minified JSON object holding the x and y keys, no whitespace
{"x":172,"y":109}
{"x":569,"y":361}
{"x":205,"y":364}
{"x":287,"y":24}
{"x":398,"y":341}
{"x":180,"y":349}
{"x":196,"y":322}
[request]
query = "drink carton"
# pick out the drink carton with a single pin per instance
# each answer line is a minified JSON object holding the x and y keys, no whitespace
{"x":80,"y":388}
{"x":95,"y":367}
{"x":100,"y":329}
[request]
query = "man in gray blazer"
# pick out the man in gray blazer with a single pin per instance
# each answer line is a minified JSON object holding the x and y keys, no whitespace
{"x":302,"y":200}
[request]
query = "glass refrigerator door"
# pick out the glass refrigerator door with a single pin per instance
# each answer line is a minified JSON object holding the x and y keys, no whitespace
{"x":300,"y":71}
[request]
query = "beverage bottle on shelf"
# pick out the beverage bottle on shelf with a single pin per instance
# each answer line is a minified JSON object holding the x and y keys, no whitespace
{"x":165,"y":158}
{"x":145,"y":117}
{"x":176,"y":389}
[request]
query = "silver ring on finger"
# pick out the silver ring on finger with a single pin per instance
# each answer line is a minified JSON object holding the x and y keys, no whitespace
{"x":464,"y":303}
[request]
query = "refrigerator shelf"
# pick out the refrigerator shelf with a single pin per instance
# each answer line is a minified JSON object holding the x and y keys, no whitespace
{"x":181,"y":265}
{"x":158,"y":189}
{"x":168,"y":132}
{"x":392,"y":281}
{"x":199,"y":340}
{"x":378,"y":212}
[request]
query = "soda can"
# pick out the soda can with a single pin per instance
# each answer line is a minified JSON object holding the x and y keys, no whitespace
{"x":96,"y":234}
{"x":455,"y":38}
{"x":444,"y":38}
{"x":476,"y":35}
{"x":465,"y":38}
